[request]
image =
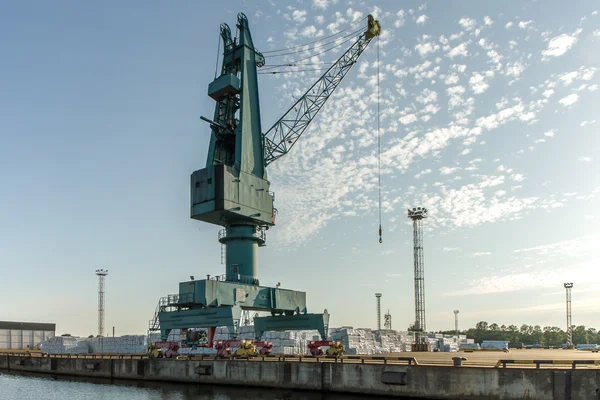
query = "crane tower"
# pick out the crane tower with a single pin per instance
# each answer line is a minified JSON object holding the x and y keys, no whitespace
{"x":568,"y":287}
{"x":417,"y":215}
{"x":101,"y":273}
{"x":232,"y":191}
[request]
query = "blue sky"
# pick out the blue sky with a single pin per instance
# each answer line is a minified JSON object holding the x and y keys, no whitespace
{"x":488,"y":117}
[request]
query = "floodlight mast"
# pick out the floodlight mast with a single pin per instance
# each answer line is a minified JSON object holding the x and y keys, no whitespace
{"x":568,"y":287}
{"x":456,"y":322}
{"x":417,"y":214}
{"x":378,"y":297}
{"x":101,"y":273}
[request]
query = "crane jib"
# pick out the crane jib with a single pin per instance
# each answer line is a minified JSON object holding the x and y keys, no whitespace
{"x":287,"y":130}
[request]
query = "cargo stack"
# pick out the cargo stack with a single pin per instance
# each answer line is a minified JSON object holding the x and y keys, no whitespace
{"x":65,"y":345}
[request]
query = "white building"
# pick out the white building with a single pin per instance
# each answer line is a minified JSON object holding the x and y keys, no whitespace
{"x":24,"y":335}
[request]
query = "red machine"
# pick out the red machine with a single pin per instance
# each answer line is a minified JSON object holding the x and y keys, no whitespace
{"x":169,"y":349}
{"x":335,"y":348}
{"x":245,"y":348}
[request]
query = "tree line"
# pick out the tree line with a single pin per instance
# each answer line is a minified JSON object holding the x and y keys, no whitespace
{"x":529,"y":335}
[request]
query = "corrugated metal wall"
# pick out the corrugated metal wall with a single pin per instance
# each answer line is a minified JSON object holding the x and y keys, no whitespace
{"x":19,"y":339}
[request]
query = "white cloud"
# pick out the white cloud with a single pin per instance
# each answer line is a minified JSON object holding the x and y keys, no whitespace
{"x":508,"y":25}
{"x":354,"y":15}
{"x":451,"y":79}
{"x":421,"y":19}
{"x":559,"y":45}
{"x":514,"y":69}
{"x":568,"y":78}
{"x":427,"y":96}
{"x":322,"y":4}
{"x":426,"y":48}
{"x":550,"y":133}
{"x":584,"y":123}
{"x":517,"y":177}
{"x":585,"y":159}
{"x":299,"y":16}
{"x":524,"y":24}
{"x":478,"y":83}
{"x":399,"y":19}
{"x":423,"y":173}
{"x":309,"y":31}
{"x":467,"y":23}
{"x":487,"y":20}
{"x":448,"y":170}
{"x":547,"y":93}
{"x":408,"y":119}
{"x":569,"y":100}
{"x":460,"y":50}
{"x":450,"y":249}
{"x":482,"y":253}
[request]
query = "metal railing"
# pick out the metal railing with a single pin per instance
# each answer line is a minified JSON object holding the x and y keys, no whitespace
{"x":538,"y":363}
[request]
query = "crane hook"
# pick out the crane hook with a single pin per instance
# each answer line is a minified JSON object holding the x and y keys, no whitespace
{"x":380,"y":240}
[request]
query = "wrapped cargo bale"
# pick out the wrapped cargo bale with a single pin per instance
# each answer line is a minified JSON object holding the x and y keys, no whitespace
{"x":494,"y":345}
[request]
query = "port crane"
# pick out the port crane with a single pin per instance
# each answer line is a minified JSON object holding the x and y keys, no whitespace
{"x":232,"y":191}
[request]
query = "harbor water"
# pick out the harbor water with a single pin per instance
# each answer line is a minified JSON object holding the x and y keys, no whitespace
{"x":27,"y":386}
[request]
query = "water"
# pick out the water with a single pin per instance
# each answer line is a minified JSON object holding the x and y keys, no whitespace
{"x":28,"y":386}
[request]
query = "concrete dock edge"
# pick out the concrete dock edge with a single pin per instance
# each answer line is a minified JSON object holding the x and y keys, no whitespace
{"x":371,"y":379}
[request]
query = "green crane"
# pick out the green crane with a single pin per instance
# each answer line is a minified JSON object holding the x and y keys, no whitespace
{"x":232,"y":191}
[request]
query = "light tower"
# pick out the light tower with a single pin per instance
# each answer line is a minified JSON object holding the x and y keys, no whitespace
{"x":378,"y":296}
{"x":417,"y":215}
{"x":456,"y":322}
{"x":101,"y":274}
{"x":568,"y":287}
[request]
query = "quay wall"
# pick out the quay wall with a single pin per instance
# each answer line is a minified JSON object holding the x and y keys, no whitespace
{"x":431,"y":382}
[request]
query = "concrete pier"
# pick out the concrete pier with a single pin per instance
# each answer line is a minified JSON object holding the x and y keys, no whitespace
{"x":441,"y":382}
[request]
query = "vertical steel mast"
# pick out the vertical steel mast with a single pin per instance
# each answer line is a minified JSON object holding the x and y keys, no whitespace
{"x":378,"y":296}
{"x":456,"y":322}
{"x":568,"y":287}
{"x":101,"y":274}
{"x":417,"y":215}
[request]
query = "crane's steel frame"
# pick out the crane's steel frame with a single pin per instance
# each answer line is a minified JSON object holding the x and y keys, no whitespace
{"x":232,"y":191}
{"x":417,"y":215}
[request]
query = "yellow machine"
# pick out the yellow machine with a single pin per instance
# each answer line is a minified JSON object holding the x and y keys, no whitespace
{"x":155,"y":352}
{"x":336,"y":349}
{"x":246,"y":349}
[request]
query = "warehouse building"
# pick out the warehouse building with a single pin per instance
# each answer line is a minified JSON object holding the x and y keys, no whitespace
{"x":24,"y":335}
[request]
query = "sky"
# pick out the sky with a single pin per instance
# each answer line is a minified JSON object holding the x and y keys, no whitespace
{"x":488,"y":118}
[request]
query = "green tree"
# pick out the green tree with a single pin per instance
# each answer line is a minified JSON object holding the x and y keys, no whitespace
{"x":580,"y":335}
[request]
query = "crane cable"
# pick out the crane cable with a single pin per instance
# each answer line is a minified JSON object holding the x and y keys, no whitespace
{"x":378,"y":143}
{"x":319,"y":45}
{"x":316,"y":41}
{"x":313,"y":55}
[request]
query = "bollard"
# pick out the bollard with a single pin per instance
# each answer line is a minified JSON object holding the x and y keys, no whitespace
{"x":458,"y":361}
